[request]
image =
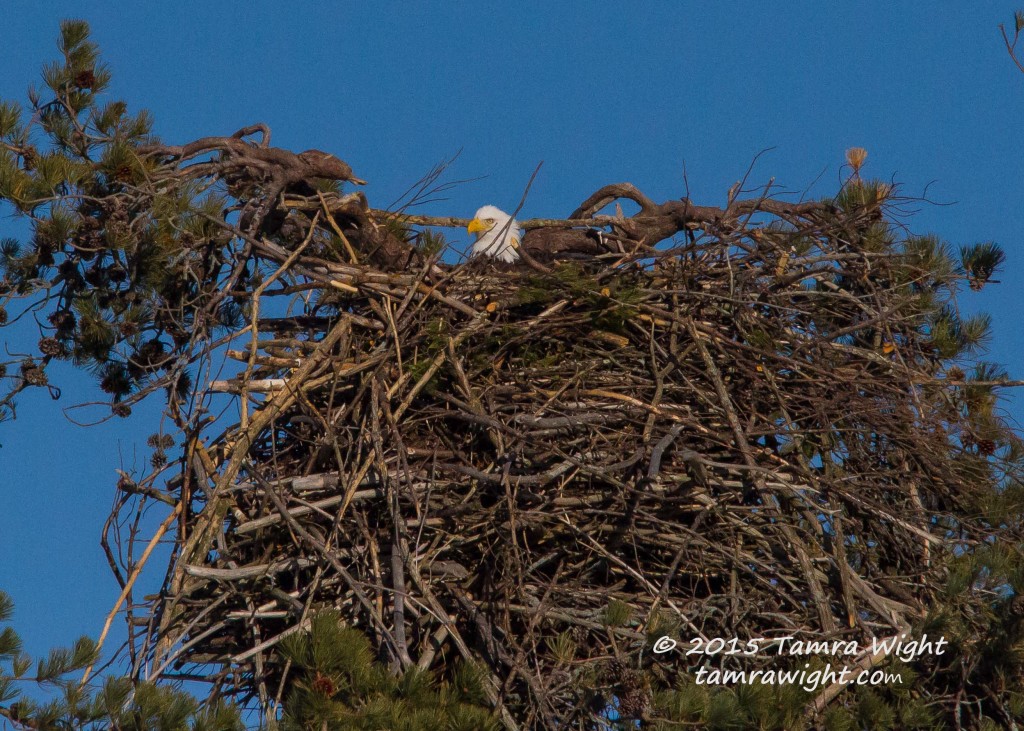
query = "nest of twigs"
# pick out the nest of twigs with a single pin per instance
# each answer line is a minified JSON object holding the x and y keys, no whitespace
{"x":542,"y":468}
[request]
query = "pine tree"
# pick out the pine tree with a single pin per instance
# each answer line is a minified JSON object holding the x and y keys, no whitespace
{"x":69,"y":706}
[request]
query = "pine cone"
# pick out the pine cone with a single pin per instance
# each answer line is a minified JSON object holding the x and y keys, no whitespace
{"x":617,"y":669}
{"x":635,"y":698}
{"x":62,"y":319}
{"x":85,"y":79}
{"x":324,"y":685}
{"x":28,"y":158}
{"x":34,"y":375}
{"x":128,"y":328}
{"x":50,"y":346}
{"x":122,"y":173}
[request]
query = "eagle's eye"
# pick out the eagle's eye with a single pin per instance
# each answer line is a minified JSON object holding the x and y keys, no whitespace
{"x":489,"y":220}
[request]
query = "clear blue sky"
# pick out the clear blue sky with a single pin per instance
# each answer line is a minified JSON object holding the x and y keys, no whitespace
{"x":599,"y":91}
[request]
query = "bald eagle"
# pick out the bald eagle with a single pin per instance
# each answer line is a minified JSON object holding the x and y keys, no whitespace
{"x":497,"y":234}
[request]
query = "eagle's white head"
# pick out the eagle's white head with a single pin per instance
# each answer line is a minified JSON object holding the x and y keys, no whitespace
{"x":497,"y":234}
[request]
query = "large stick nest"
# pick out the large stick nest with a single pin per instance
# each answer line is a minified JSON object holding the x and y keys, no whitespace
{"x":730,"y":433}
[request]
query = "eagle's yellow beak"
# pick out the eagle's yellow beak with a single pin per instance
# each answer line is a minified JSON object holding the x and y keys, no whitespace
{"x":476,"y":226}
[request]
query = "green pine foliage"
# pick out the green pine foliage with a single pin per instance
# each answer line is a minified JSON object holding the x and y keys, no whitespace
{"x":117,"y":703}
{"x":337,"y":684}
{"x":122,"y":271}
